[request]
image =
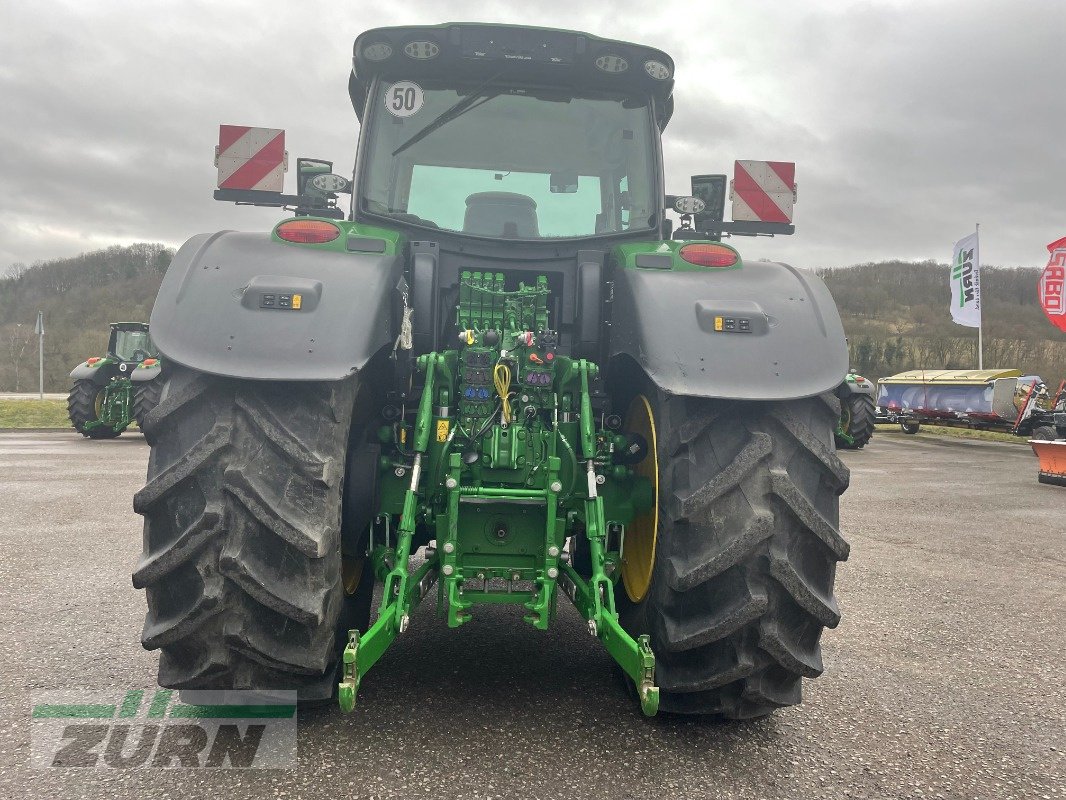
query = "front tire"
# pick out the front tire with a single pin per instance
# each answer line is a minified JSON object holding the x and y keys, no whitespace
{"x":83,"y":407}
{"x":747,"y":546}
{"x":910,"y":426}
{"x":242,"y":535}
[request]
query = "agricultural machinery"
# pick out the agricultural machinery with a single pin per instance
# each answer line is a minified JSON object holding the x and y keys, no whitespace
{"x":1001,"y":400}
{"x":857,"y":412}
{"x":112,"y":391}
{"x":505,"y":376}
{"x":1048,"y":439}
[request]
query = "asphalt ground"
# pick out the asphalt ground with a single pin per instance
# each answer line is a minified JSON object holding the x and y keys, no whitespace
{"x":944,"y":679}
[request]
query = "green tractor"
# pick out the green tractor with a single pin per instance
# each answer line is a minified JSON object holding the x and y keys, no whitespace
{"x":112,"y":391}
{"x":857,"y":412}
{"x":501,"y":379}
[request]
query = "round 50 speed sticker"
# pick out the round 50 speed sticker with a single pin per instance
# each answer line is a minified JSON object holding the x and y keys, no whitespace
{"x":404,"y":99}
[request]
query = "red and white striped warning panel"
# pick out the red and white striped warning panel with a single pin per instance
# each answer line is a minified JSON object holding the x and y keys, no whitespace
{"x":763,"y":191}
{"x":251,"y":158}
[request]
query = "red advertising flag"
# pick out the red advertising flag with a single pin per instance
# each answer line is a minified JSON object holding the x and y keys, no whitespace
{"x":1052,"y":286}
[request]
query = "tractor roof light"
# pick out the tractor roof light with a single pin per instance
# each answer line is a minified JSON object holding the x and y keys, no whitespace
{"x":307,"y":231}
{"x":611,"y":64}
{"x":710,"y":255}
{"x":421,"y":51}
{"x":657,"y":70}
{"x":378,"y":51}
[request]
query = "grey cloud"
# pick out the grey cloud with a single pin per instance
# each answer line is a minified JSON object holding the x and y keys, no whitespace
{"x":908,"y":121}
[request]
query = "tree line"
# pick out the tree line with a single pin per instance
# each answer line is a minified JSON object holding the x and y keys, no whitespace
{"x":896,"y":318}
{"x":79,"y":297}
{"x":895,"y":315}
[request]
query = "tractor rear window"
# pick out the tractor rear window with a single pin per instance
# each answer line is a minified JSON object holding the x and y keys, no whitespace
{"x":133,"y":345}
{"x":512,"y":164}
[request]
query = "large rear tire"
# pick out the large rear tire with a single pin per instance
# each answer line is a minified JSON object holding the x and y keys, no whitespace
{"x":145,"y":398}
{"x":857,"y":420}
{"x":83,"y":407}
{"x":747,"y":546}
{"x":242,"y":558}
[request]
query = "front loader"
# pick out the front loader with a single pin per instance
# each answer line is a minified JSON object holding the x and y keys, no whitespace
{"x":502,"y":378}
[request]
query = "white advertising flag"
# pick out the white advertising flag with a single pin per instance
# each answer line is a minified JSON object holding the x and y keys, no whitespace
{"x":966,"y":283}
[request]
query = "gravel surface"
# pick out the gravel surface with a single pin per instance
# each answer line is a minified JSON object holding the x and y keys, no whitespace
{"x":944,"y":679}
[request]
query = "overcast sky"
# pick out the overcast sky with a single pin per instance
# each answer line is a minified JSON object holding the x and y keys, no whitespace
{"x":908,"y":121}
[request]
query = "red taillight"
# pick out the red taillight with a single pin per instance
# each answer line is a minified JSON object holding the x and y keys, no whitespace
{"x":307,"y":231}
{"x":92,"y":360}
{"x":149,"y":362}
{"x":709,"y":255}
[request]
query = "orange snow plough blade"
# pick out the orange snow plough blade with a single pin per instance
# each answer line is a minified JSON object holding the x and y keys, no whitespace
{"x":1052,"y":457}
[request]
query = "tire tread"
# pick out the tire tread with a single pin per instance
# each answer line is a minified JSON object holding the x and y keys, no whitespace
{"x":749,"y":542}
{"x":242,"y":507}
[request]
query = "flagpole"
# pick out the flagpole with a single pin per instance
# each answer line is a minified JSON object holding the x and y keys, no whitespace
{"x":981,"y":319}
{"x":40,"y":354}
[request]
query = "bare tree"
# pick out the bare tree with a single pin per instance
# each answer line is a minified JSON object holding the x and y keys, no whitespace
{"x":18,"y":342}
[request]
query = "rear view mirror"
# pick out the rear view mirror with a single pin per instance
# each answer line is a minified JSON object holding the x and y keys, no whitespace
{"x":711,"y":190}
{"x":563,"y":182}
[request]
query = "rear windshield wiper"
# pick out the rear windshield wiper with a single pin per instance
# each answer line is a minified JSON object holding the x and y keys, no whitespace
{"x":457,"y":110}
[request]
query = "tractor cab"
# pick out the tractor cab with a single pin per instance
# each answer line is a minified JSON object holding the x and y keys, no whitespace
{"x":130,"y":343}
{"x":505,"y":133}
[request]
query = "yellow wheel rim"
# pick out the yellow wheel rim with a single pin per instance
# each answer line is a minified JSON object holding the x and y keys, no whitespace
{"x":351,"y":574}
{"x":845,"y":416}
{"x":98,"y":403}
{"x":642,"y":532}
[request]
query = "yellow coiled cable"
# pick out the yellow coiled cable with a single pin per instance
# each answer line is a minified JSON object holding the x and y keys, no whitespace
{"x":501,"y":377}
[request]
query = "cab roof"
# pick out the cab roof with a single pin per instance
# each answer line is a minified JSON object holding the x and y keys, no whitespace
{"x":510,"y":54}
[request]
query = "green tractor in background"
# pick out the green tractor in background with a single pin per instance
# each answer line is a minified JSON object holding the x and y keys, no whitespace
{"x":857,"y":412}
{"x":110,"y":392}
{"x":503,"y":378}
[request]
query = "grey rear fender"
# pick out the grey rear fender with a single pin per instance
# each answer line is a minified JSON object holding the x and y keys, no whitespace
{"x":850,"y":387}
{"x":220,"y":308}
{"x":142,"y":374}
{"x":781,"y":335}
{"x":83,"y":371}
{"x":99,"y":373}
